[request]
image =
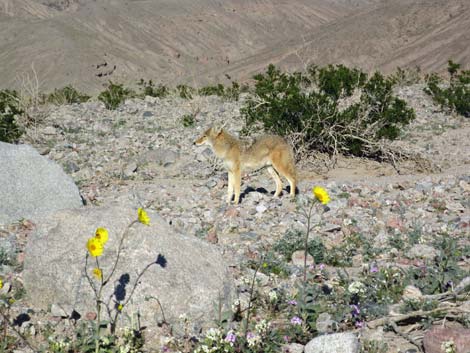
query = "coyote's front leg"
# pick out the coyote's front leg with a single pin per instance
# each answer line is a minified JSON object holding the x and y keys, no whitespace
{"x":230,"y":186}
{"x":237,"y":180}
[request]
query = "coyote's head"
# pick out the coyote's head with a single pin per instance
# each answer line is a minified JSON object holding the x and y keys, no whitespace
{"x":208,"y":137}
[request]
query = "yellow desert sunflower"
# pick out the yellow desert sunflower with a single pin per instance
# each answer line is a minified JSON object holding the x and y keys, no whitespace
{"x":321,"y":194}
{"x":102,"y":235}
{"x":95,"y":247}
{"x":97,"y":273}
{"x":143,"y":216}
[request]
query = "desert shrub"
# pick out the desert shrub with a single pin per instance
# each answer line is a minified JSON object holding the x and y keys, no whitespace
{"x":66,"y":95}
{"x":9,"y":108}
{"x":217,"y":90}
{"x":440,"y":274}
{"x":188,"y":120}
{"x":317,"y":110}
{"x":293,"y":241}
{"x":455,"y":96}
{"x":149,"y":89}
{"x":114,"y":95}
{"x":185,"y":91}
{"x":407,"y":76}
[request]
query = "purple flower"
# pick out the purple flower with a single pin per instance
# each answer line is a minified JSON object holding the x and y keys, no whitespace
{"x":250,"y":335}
{"x":292,"y":302}
{"x":359,"y":324}
{"x":322,"y":267}
{"x":286,"y":339}
{"x":374,"y":268}
{"x":231,"y":337}
{"x":356,"y":311}
{"x":296,"y":320}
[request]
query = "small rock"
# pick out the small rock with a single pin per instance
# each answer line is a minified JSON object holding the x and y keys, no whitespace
{"x":211,"y":184}
{"x":334,"y":343}
{"x":71,"y":167}
{"x":412,"y":293}
{"x":248,"y":236}
{"x":422,"y":251}
{"x":90,"y":315}
{"x":130,"y":169}
{"x":59,"y":311}
{"x":147,"y":114}
{"x":329,"y":227}
{"x":261,"y":208}
{"x":463,"y":285}
{"x":324,"y":323}
{"x":293,"y":348}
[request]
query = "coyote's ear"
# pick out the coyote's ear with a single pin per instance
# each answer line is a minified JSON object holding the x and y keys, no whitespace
{"x":217,"y":130}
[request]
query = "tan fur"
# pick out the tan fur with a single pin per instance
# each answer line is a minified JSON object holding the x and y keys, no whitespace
{"x":270,"y":150}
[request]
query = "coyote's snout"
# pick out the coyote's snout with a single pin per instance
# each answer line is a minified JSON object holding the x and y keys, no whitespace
{"x":268,"y":151}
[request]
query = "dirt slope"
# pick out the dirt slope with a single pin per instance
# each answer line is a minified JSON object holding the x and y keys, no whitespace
{"x":87,"y":43}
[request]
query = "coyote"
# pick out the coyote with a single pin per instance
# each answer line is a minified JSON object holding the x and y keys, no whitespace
{"x":269,"y":151}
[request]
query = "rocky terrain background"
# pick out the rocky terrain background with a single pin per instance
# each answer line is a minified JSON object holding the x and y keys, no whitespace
{"x":143,"y":154}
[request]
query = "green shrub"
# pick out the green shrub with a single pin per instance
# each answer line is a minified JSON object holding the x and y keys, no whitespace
{"x":456,"y":96}
{"x":114,"y":95}
{"x":188,"y":120}
{"x":294,"y":240}
{"x":149,"y":89}
{"x":218,"y":90}
{"x":313,"y":107}
{"x":9,"y":108}
{"x":66,"y":95}
{"x":185,"y":91}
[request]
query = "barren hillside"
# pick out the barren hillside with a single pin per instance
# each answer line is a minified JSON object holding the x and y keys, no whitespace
{"x":87,"y":43}
{"x":92,"y":42}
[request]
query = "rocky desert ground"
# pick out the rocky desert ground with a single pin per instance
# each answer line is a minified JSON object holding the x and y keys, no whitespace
{"x":142,"y":154}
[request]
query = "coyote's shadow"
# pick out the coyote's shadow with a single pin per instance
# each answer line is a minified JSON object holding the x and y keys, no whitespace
{"x":250,"y":189}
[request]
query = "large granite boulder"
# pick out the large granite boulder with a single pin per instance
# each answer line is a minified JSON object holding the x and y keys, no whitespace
{"x":31,"y":185}
{"x":189,"y":277}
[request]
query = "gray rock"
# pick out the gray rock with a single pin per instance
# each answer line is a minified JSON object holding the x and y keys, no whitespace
{"x":71,"y":167}
{"x":31,"y":185}
{"x":130,"y":169}
{"x":325,"y":324}
{"x":194,"y":277}
{"x":412,"y":293}
{"x":160,"y":156}
{"x":422,"y":251}
{"x":334,"y":343}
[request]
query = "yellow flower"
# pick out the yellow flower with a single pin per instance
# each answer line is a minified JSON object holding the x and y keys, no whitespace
{"x":1,"y":283}
{"x":102,"y":235}
{"x":95,"y":247}
{"x":321,"y":194}
{"x":143,"y":216}
{"x":97,"y":273}
{"x":119,"y":307}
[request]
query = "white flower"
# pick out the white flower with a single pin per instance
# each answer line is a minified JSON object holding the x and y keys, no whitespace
{"x":357,"y":288}
{"x":236,"y":305}
{"x":213,"y":334}
{"x":448,"y":346}
{"x":272,"y":296}
{"x":262,"y":326}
